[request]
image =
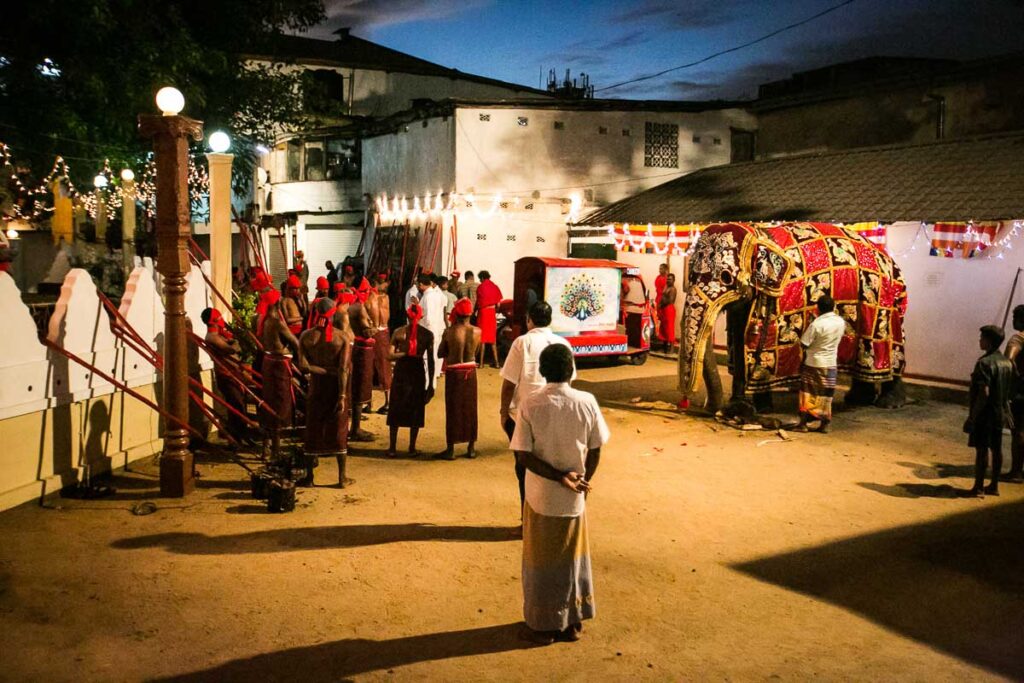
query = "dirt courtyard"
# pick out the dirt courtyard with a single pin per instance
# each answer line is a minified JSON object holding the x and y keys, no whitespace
{"x":718,"y":555}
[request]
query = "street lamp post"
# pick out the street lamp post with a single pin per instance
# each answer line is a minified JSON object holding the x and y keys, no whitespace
{"x":220,"y":214}
{"x":170,"y":134}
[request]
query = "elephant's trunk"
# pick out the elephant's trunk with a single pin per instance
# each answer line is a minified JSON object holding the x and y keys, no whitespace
{"x":699,"y":314}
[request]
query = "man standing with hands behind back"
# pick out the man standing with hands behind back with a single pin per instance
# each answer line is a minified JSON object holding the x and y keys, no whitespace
{"x":558,"y":438}
{"x":521,"y":376}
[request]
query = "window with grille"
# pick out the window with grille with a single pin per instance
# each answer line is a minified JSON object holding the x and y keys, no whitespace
{"x":661,"y":145}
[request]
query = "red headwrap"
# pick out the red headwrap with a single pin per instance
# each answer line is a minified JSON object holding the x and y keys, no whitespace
{"x":383,"y":276}
{"x":267,"y":300}
{"x":293,"y":282}
{"x":463,"y":309}
{"x":325,"y":321}
{"x":322,"y":285}
{"x":363,"y":291}
{"x":347,"y":297}
{"x":349,"y":270}
{"x":456,"y":274}
{"x":415,"y":313}
{"x":259,"y":280}
{"x":217,"y":325}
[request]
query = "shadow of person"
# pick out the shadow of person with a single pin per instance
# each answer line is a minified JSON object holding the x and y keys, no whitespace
{"x":331,"y":662}
{"x":939,"y":470}
{"x":954,"y":583}
{"x":97,"y":441}
{"x":912,"y":490}
{"x":312,"y":538}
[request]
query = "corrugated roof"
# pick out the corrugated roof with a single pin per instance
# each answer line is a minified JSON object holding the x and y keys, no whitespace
{"x":955,"y":180}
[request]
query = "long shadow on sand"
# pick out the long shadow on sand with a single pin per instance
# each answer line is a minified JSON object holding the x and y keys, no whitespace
{"x":343,"y":658}
{"x":312,"y":538}
{"x":955,"y":584}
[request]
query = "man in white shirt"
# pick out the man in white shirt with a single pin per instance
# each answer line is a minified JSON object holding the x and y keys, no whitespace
{"x":412,"y":293}
{"x":558,"y":438}
{"x":818,"y":374}
{"x":521,"y":372}
{"x":433,"y":302}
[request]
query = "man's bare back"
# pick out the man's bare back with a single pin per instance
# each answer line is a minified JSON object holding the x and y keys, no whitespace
{"x":378,"y":307}
{"x":322,"y":357}
{"x":460,"y":343}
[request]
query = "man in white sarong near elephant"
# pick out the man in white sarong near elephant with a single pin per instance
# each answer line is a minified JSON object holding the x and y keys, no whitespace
{"x":820,"y":368}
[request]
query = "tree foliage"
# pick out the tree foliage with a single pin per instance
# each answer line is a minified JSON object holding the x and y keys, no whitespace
{"x":74,"y":75}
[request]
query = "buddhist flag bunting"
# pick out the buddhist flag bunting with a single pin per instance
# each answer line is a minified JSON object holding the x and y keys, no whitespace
{"x":871,"y":231}
{"x":963,"y":240}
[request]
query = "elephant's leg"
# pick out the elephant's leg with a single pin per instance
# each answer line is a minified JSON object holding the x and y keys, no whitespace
{"x":712,"y":380}
{"x":861,"y":393}
{"x":893,"y":394}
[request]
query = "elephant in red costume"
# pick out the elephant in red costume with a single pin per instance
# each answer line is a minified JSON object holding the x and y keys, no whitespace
{"x":766,"y":280}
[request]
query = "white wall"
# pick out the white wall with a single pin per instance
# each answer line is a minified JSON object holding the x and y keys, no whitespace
{"x":411,"y":162}
{"x":57,"y":417}
{"x":315,"y":195}
{"x":949,"y":299}
{"x":499,"y":155}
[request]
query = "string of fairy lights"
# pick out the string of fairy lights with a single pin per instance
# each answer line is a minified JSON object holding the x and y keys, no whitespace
{"x":31,"y":202}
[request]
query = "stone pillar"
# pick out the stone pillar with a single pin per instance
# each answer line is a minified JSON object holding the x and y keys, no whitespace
{"x":128,"y":225}
{"x":220,"y":225}
{"x":101,"y":217}
{"x":173,"y":228}
{"x":62,"y":221}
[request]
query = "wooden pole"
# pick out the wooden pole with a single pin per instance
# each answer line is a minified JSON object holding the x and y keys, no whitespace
{"x":170,"y":136}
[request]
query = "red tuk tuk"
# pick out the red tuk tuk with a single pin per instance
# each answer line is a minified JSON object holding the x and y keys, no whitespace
{"x":601,"y":307}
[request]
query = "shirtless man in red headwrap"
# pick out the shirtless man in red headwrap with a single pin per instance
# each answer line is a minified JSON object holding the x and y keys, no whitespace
{"x":412,"y":386}
{"x":322,"y":292}
{"x":292,"y":306}
{"x":378,"y":306}
{"x":325,"y":352}
{"x":458,"y":349}
{"x":362,"y":361}
{"x":278,"y":393}
{"x":227,"y":369}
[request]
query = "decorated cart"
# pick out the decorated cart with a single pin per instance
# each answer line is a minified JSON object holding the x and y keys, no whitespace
{"x":601,"y":307}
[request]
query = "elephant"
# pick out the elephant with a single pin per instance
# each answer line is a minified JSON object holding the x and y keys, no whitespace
{"x":766,"y":280}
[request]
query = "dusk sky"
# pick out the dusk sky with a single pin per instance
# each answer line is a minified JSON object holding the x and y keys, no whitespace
{"x":614,"y":41}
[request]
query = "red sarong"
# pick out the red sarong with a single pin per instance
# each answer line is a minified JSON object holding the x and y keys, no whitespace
{"x":277,"y":391}
{"x":487,"y":321}
{"x":460,"y":403}
{"x":326,"y":424}
{"x":381,"y":362}
{"x":667,"y":324}
{"x":362,"y":370}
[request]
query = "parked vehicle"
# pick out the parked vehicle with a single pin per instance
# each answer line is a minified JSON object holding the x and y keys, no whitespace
{"x":601,"y":307}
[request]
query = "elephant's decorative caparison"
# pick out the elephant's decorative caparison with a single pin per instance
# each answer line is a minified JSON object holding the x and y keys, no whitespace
{"x":781,"y":271}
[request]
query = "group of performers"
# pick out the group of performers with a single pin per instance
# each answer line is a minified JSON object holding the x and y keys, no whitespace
{"x":323,"y":359}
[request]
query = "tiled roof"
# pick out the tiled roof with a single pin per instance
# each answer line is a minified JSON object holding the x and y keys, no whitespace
{"x":953,"y":180}
{"x":355,"y":52}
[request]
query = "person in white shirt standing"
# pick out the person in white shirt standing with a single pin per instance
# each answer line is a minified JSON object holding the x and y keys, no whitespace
{"x":818,"y":374}
{"x":521,"y":373}
{"x":433,"y":302}
{"x":558,"y":437}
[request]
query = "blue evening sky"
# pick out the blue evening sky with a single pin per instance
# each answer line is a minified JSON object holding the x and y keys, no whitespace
{"x":613,"y":41}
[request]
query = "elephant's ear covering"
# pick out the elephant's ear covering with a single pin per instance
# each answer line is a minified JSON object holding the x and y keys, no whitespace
{"x":771,"y":269}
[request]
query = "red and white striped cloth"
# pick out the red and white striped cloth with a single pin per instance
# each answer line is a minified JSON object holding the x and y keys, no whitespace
{"x":963,"y":240}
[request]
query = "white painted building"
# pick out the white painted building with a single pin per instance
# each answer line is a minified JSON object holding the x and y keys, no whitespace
{"x":312,"y":180}
{"x":511,"y":174}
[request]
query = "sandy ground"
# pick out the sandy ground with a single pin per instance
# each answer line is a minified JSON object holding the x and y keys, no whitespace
{"x":717,"y":555}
